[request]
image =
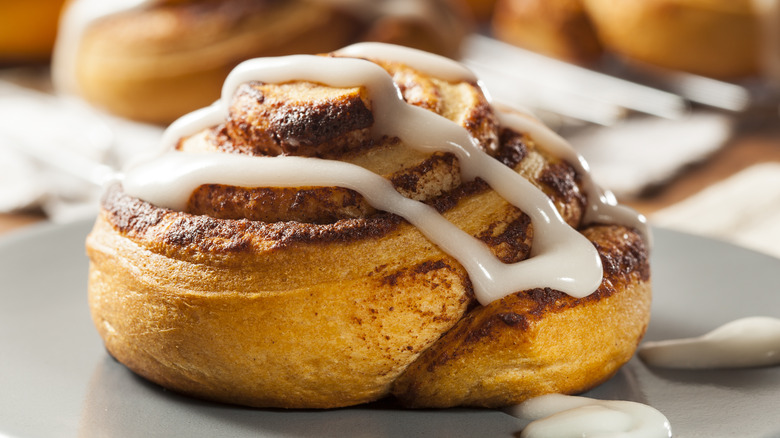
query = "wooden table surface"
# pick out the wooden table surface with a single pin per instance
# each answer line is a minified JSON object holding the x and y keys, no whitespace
{"x":743,"y":151}
{"x":10,"y":222}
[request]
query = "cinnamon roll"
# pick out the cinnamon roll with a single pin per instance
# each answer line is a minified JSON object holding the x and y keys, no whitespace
{"x":342,"y":228}
{"x":716,"y":38}
{"x":155,"y":60}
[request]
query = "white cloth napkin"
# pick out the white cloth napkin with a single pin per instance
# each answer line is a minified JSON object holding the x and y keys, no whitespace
{"x":50,"y":146}
{"x":638,"y":153}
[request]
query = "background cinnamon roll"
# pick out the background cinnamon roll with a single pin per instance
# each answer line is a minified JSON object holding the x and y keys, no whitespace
{"x":716,"y":38}
{"x":157,"y":60}
{"x":339,"y":229}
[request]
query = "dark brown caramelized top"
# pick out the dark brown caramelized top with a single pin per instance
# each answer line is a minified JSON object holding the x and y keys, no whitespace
{"x":313,"y":120}
{"x":299,"y":118}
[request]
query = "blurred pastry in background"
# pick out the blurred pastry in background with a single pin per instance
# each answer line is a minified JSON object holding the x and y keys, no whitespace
{"x":27,"y":30}
{"x":717,"y":38}
{"x":723,"y":39}
{"x":154,"y":61}
{"x":557,"y":28}
{"x":481,"y":10}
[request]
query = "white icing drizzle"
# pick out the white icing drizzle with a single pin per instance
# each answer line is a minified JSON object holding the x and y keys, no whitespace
{"x":436,"y":66}
{"x":561,"y":257}
{"x":563,"y":416}
{"x":746,"y":342}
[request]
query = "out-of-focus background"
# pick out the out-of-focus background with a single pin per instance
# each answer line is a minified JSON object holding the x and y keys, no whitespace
{"x":674,"y":103}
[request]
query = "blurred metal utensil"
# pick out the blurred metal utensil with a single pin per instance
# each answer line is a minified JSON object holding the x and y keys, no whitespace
{"x":579,"y":92}
{"x":698,"y":89}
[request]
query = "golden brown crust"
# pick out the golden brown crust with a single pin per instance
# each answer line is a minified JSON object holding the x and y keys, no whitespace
{"x":372,"y":292}
{"x":717,"y":38}
{"x":286,"y":328}
{"x":157,"y":63}
{"x":518,"y":347}
{"x":308,"y":297}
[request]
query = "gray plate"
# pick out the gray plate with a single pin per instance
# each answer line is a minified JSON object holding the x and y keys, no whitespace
{"x":57,"y":380}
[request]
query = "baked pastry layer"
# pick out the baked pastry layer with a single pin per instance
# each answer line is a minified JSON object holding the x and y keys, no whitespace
{"x":520,"y":346}
{"x":352,"y":317}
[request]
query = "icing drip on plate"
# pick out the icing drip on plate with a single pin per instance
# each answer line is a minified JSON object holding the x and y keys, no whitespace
{"x":561,"y":416}
{"x":746,"y":342}
{"x":561,"y":257}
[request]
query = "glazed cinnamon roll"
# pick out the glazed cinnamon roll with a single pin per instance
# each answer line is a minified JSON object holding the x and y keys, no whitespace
{"x":155,"y":60}
{"x":343,"y":228}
